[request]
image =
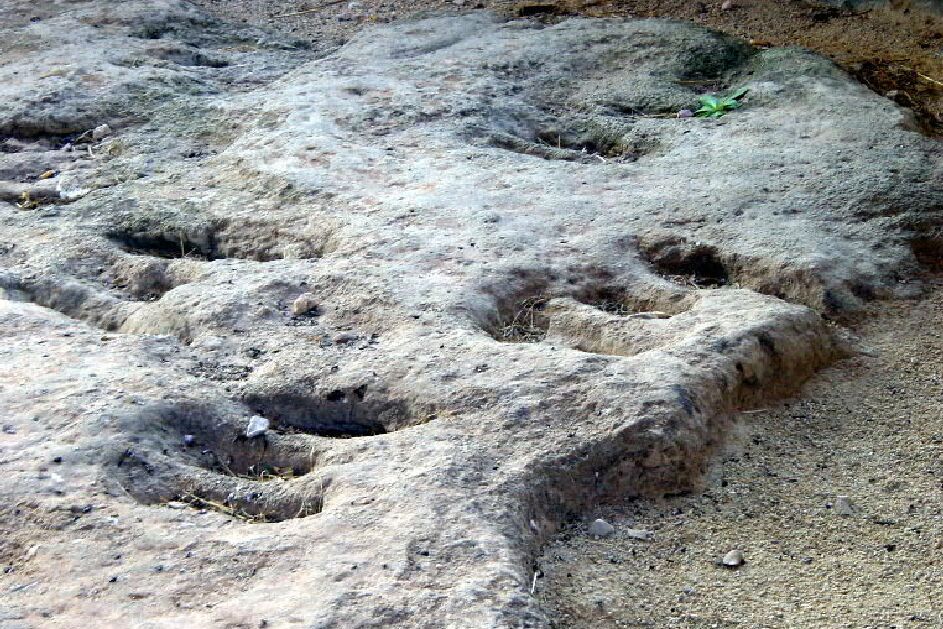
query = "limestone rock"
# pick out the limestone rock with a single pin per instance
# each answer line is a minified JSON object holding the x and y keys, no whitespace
{"x":448,"y":185}
{"x":256,"y":426}
{"x":304,"y":304}
{"x":601,"y":528}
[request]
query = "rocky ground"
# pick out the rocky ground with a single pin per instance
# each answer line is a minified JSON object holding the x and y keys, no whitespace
{"x":869,"y":428}
{"x":893,"y":47}
{"x":341,"y":337}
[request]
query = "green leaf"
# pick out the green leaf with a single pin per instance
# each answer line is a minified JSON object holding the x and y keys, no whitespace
{"x":709,"y":101}
{"x":740,"y":93}
{"x":718,"y":113}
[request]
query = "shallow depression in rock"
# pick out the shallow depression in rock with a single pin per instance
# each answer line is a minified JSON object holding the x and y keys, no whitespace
{"x":527,"y":319}
{"x":338,"y":414}
{"x":695,"y":265}
{"x":192,"y":453}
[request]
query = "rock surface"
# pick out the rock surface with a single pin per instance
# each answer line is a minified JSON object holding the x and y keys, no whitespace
{"x":435,"y":188}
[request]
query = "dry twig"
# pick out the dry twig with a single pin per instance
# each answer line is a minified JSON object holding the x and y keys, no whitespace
{"x":926,"y":78}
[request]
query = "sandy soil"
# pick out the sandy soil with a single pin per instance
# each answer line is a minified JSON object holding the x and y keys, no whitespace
{"x":870,"y":428}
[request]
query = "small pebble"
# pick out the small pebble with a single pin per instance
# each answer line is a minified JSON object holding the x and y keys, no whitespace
{"x":344,"y":338}
{"x":601,"y":528}
{"x":685,"y":113}
{"x":733,"y":559}
{"x":256,"y":427}
{"x":843,"y":506}
{"x":304,"y":304}
{"x":727,"y":5}
{"x":640,"y":534}
{"x":100,"y":132}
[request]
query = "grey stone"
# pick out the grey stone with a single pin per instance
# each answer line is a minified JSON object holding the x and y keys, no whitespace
{"x":601,"y":528}
{"x":843,"y":506}
{"x":304,"y":304}
{"x":733,"y":559}
{"x":640,"y":534}
{"x":101,"y":132}
{"x":256,"y":427}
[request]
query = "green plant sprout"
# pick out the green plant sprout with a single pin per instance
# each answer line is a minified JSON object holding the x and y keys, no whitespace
{"x":715,"y":107}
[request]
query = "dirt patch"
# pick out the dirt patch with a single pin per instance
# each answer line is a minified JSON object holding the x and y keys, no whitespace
{"x":929,"y":253}
{"x":524,"y":322}
{"x":163,"y":245}
{"x":619,"y":302}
